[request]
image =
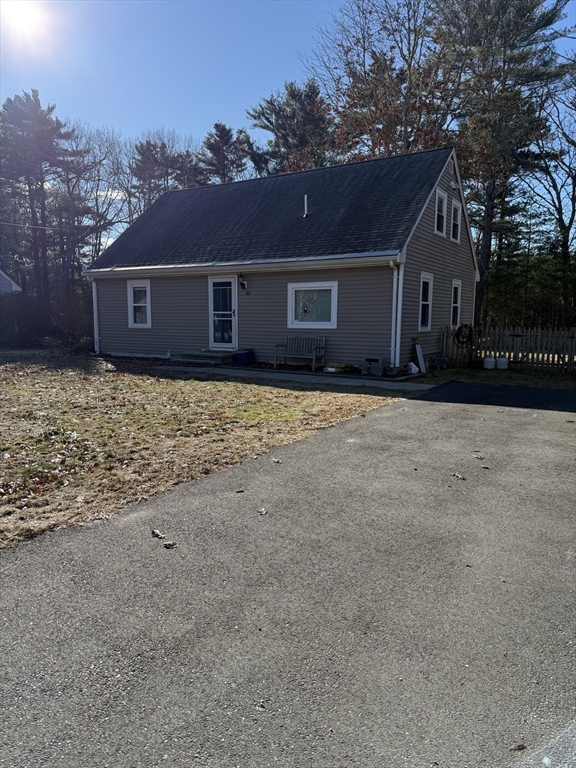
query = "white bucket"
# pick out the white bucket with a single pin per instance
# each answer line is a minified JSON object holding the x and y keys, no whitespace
{"x":489,"y":363}
{"x":502,"y":363}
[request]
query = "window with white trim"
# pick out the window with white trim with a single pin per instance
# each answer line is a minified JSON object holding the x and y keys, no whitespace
{"x":441,"y":206}
{"x":139,"y":304}
{"x":313,"y":305}
{"x":456,"y":303}
{"x":455,"y":226}
{"x":425,"y":317}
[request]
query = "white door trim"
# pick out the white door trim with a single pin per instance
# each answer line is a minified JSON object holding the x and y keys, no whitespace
{"x":234,"y":311}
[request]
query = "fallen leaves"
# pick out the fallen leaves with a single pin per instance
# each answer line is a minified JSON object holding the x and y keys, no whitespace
{"x":83,"y":428}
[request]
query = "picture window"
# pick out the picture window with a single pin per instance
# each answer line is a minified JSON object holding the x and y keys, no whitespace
{"x":312,"y":305}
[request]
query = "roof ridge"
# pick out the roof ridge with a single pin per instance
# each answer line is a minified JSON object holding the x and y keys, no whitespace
{"x":312,"y":170}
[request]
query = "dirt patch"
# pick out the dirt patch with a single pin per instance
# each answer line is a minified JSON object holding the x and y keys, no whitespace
{"x":81,"y":437}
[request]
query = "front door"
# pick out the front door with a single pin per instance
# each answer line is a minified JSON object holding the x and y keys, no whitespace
{"x":223,"y":328}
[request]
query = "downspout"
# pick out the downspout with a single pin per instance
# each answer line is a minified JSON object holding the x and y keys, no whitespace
{"x":394,"y":302}
{"x":95,"y":310}
{"x":399,"y":315}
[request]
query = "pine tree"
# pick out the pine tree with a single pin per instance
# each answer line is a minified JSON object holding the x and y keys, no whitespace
{"x":223,"y":157}
{"x":33,"y":150}
{"x":507,"y":46}
{"x":301,"y":125}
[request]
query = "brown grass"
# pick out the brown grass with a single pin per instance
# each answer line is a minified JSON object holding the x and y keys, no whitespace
{"x":80,"y":437}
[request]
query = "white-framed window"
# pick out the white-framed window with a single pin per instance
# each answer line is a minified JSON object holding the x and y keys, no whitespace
{"x":455,"y":224}
{"x":451,"y":166}
{"x":313,"y":305}
{"x":441,"y":206}
{"x":139,"y":315}
{"x":425,"y":316}
{"x":456,"y":303}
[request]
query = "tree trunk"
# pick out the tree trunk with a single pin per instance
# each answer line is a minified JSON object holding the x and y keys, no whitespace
{"x":484,"y":254}
{"x":35,"y":231}
{"x":566,"y":287}
{"x":45,"y":280}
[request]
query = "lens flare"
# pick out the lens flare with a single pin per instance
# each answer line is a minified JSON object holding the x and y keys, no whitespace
{"x":25,"y":22}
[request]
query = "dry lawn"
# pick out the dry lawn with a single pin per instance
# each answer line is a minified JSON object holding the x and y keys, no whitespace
{"x":80,"y":437}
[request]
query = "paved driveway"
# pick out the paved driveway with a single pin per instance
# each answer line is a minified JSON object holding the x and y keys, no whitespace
{"x":407,"y":601}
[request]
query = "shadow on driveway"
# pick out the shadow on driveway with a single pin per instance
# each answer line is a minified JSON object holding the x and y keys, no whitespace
{"x":505,"y":396}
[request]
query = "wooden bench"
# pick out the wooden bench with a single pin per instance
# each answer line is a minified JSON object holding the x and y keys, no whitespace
{"x":301,"y":346}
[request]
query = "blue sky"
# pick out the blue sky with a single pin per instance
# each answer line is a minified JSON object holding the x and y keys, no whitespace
{"x":136,"y":65}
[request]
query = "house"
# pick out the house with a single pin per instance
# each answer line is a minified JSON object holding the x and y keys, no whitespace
{"x":369,"y":255}
{"x":8,"y":326}
{"x":7,"y":285}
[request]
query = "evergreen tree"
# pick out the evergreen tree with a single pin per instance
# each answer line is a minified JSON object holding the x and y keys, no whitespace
{"x":187,"y":171}
{"x":223,"y":157}
{"x":301,"y":125}
{"x":509,"y":55}
{"x":549,"y":176}
{"x":153,"y":168}
{"x":33,"y":149}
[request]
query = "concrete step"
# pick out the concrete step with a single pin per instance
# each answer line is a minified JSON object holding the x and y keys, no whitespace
{"x":207,"y":357}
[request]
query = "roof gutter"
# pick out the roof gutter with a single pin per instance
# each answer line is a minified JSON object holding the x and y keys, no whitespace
{"x":369,"y":258}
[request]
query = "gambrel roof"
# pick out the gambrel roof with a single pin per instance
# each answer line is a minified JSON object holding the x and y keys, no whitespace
{"x":367,"y":207}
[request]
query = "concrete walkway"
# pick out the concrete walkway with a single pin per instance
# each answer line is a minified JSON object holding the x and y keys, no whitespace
{"x":394,"y":592}
{"x":303,"y":377}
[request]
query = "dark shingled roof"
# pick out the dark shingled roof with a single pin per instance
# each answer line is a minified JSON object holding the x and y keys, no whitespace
{"x":357,"y":208}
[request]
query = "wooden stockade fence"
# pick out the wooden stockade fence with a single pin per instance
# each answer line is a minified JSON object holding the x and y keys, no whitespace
{"x":525,"y":348}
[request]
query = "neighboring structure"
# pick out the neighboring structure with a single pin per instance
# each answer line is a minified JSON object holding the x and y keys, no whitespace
{"x":8,"y":326}
{"x":7,"y":285}
{"x":368,"y":255}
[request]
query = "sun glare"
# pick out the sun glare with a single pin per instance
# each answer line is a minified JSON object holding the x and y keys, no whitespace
{"x":25,"y":21}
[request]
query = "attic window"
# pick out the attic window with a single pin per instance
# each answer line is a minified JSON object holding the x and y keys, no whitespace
{"x":139,"y":304}
{"x":441,"y":205}
{"x":451,"y":166}
{"x":312,"y":305}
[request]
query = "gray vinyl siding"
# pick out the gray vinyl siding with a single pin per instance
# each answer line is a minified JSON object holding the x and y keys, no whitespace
{"x":446,"y":261}
{"x":364,"y":313}
{"x":180,"y":314}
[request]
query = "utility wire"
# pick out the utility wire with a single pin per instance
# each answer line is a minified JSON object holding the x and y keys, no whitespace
{"x":25,"y":226}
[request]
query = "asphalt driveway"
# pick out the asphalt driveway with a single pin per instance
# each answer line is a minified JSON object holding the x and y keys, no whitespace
{"x":405,"y":601}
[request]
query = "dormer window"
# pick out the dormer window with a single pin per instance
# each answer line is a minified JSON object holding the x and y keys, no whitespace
{"x":441,"y":205}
